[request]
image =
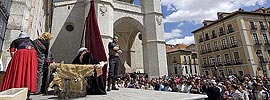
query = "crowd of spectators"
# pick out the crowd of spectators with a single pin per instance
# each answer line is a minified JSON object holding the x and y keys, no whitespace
{"x":216,"y":88}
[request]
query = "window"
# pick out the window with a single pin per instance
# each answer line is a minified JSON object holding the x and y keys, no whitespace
{"x":223,"y":43}
{"x":195,"y":68}
{"x":190,"y":68}
{"x":186,"y":69}
{"x":218,"y":60}
{"x":202,"y":48}
{"x":265,"y":39}
{"x":233,"y":41}
{"x":209,"y":47}
{"x":216,"y":45}
{"x":252,"y":25}
{"x":175,"y":70}
{"x":227,"y":59}
{"x":221,"y":73}
{"x":213,"y":34}
{"x":189,"y":60}
{"x":200,"y":38}
{"x":255,"y":38}
{"x":185,"y":60}
{"x":221,"y":31}
{"x":230,"y":28}
{"x":212,"y":61}
{"x":261,"y":25}
{"x":236,"y":58}
{"x":268,"y":51}
{"x":240,"y":71}
{"x":174,"y":60}
{"x":206,"y":73}
{"x":206,"y":36}
{"x":204,"y":62}
{"x":230,"y":71}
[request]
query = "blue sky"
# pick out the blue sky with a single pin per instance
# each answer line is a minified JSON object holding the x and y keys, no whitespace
{"x":181,"y":17}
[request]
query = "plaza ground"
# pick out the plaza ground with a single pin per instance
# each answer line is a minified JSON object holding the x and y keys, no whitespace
{"x":131,"y":94}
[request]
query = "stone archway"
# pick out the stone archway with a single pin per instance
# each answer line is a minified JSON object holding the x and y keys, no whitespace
{"x":128,"y":30}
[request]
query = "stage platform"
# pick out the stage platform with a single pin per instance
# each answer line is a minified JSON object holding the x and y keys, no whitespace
{"x":131,"y":94}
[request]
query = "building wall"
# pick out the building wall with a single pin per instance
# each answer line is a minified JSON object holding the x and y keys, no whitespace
{"x":27,"y":16}
{"x":176,"y":62}
{"x":244,"y":44}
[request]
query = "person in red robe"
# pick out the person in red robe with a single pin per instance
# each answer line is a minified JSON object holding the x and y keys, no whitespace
{"x":22,"y":68}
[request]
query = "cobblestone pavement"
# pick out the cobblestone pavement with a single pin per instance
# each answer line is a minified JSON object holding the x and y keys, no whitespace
{"x":130,"y":94}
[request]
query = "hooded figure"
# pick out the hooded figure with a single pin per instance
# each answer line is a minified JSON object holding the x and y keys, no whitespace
{"x":95,"y":84}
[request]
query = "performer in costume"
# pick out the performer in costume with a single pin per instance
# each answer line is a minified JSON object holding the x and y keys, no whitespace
{"x":22,"y":69}
{"x":42,"y":47}
{"x":114,"y":62}
{"x":95,"y":84}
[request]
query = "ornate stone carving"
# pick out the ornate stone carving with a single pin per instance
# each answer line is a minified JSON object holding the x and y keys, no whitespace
{"x":159,"y":20}
{"x":103,"y":9}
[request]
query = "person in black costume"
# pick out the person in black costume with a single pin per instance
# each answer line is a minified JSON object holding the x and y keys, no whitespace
{"x":95,"y":84}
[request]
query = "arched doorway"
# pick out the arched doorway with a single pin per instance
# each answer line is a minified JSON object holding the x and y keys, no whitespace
{"x":128,"y":30}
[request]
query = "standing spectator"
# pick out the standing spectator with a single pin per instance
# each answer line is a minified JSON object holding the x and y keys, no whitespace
{"x":42,"y":48}
{"x":236,"y":94}
{"x":22,"y":69}
{"x":114,"y":62}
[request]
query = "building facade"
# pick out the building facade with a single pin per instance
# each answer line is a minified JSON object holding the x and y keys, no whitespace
{"x":139,"y":28}
{"x":182,"y":62}
{"x":30,"y":16}
{"x":4,"y":14}
{"x":235,"y":44}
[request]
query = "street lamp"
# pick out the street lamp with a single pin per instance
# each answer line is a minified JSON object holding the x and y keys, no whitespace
{"x":260,"y":56}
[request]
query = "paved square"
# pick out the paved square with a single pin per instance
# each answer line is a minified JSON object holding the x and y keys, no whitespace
{"x":131,"y":94}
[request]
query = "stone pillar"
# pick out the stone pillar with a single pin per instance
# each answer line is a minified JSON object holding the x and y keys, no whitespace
{"x":154,"y":53}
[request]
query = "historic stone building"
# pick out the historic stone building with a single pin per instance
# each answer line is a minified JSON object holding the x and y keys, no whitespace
{"x":237,"y":43}
{"x":139,"y":28}
{"x":182,"y":60}
{"x":31,"y":16}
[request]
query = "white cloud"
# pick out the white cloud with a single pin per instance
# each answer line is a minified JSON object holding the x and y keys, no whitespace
{"x":180,"y":25}
{"x":175,"y":33}
{"x":199,"y":10}
{"x":186,"y":40}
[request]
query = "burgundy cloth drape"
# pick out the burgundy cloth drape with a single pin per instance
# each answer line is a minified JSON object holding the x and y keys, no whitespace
{"x":93,"y":41}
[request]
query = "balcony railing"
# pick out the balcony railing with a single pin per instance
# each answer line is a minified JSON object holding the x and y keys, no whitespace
{"x":219,"y":64}
{"x":237,"y":61}
{"x":221,"y":33}
{"x":205,"y":65}
{"x":257,"y":42}
{"x":207,"y":38}
{"x":224,"y":47}
{"x":253,"y":27}
{"x":227,"y":62}
{"x":230,"y":31}
{"x":213,"y":36}
{"x":266,"y":42}
{"x":209,"y":50}
{"x":215,"y":49}
{"x":232,"y":45}
{"x":203,"y":51}
{"x":263,"y":27}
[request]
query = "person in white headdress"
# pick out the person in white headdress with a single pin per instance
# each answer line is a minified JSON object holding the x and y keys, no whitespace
{"x":95,"y":84}
{"x":22,"y":69}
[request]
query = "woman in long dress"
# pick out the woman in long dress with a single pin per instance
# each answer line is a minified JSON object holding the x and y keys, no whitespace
{"x":22,"y":69}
